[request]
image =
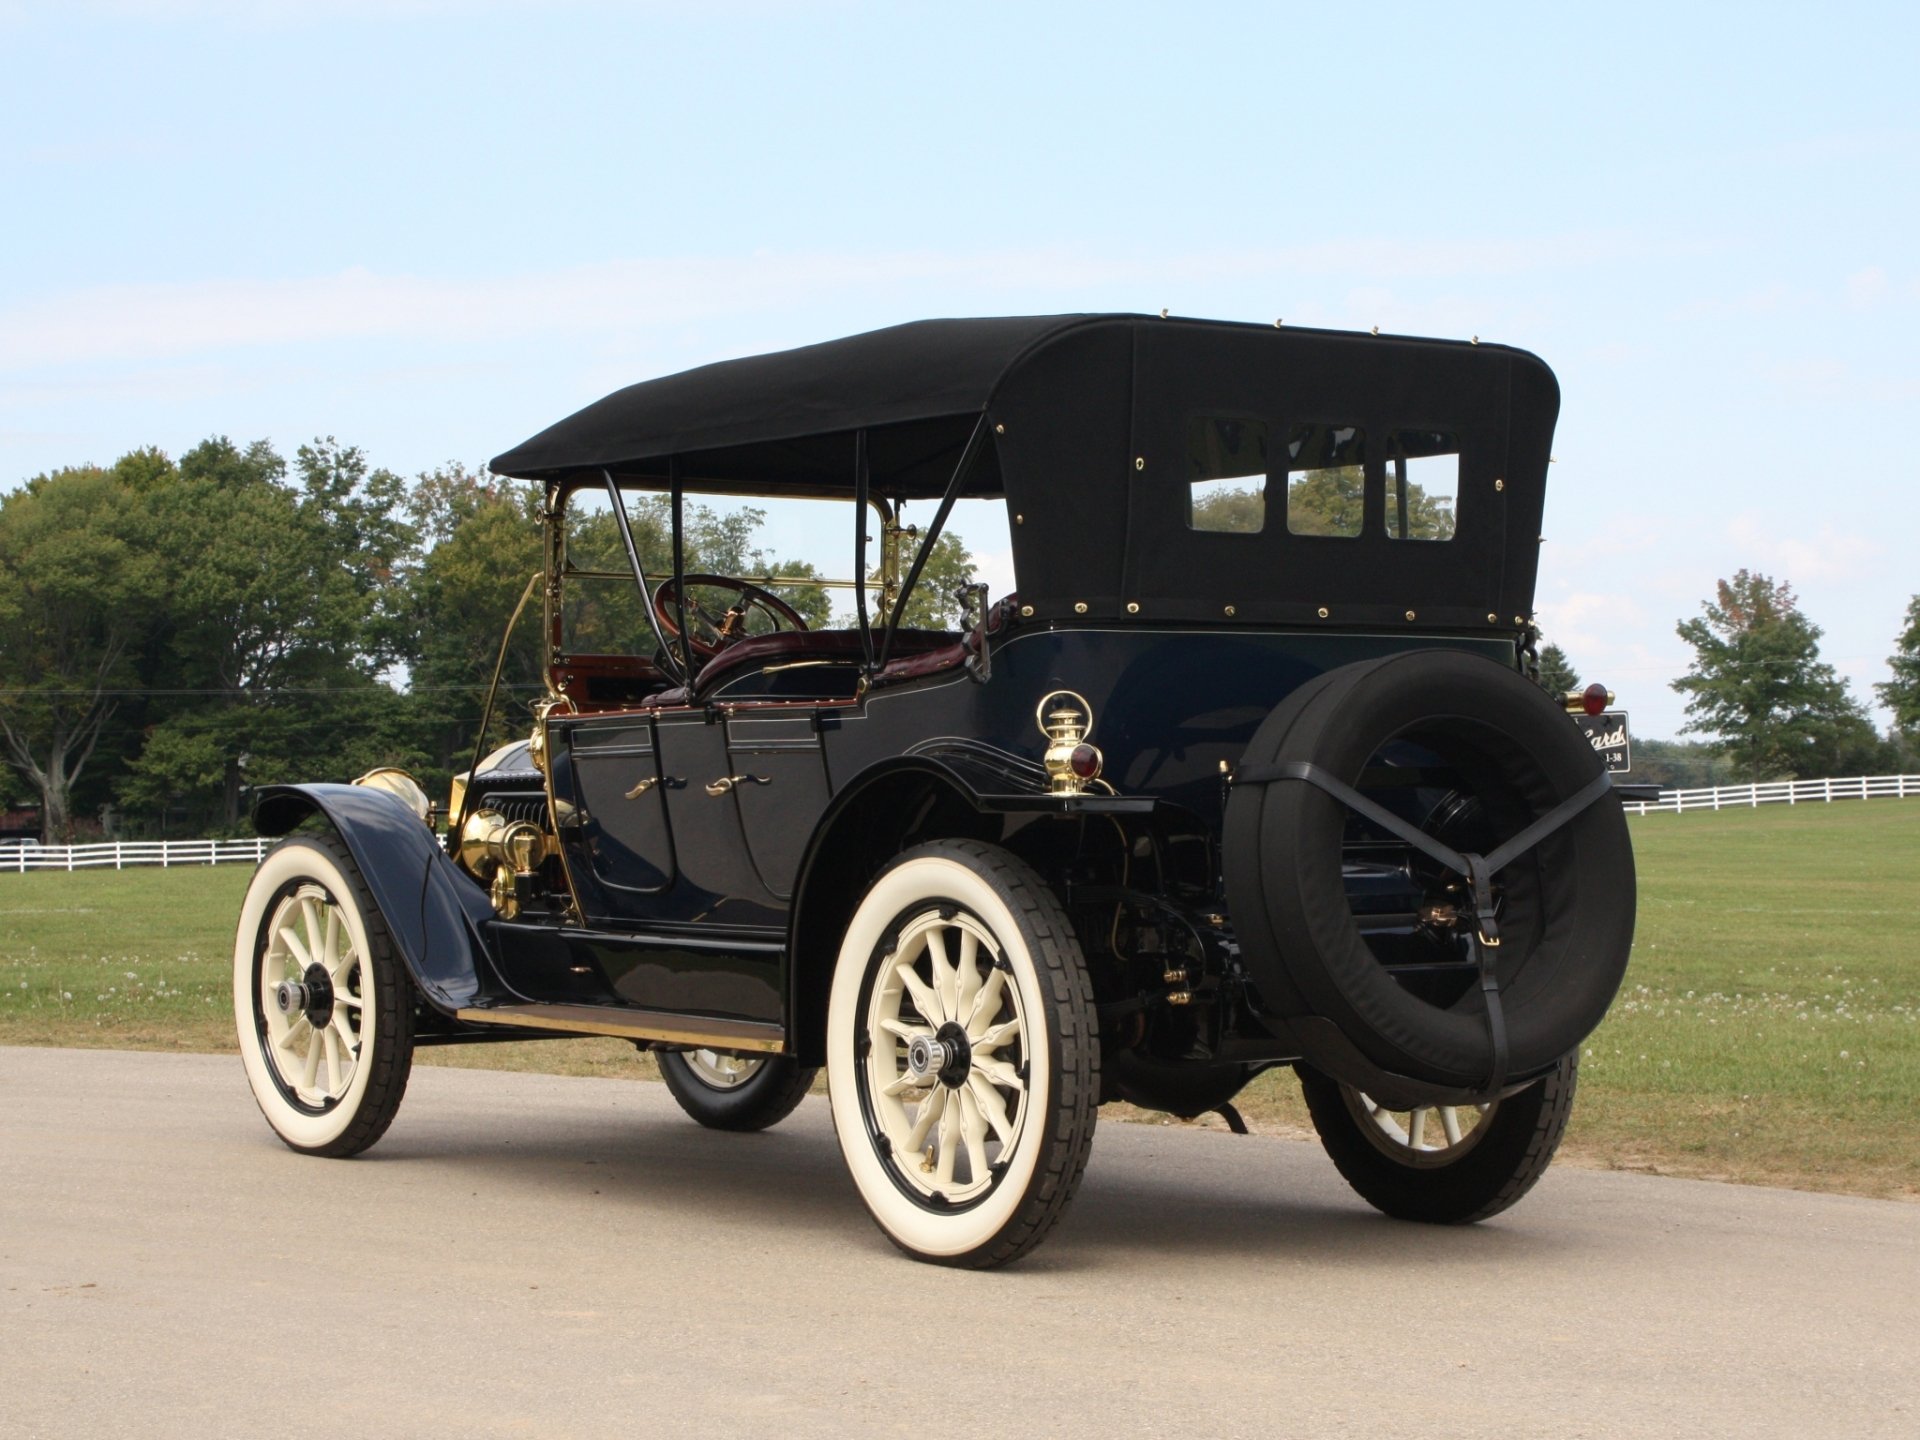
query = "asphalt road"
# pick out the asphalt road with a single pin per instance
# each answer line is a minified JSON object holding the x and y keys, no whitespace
{"x":536,"y":1255}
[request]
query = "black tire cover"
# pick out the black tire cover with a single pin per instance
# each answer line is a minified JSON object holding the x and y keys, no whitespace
{"x":1567,"y":908}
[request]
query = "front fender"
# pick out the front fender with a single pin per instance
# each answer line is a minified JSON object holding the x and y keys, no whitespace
{"x":434,"y":912}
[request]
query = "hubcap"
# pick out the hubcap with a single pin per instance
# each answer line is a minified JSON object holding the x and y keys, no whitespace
{"x":926,"y":1058}
{"x":311,"y":996}
{"x":944,"y":1080}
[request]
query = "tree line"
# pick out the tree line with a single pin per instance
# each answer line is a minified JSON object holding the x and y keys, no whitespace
{"x":176,"y":632}
{"x":1763,"y":702}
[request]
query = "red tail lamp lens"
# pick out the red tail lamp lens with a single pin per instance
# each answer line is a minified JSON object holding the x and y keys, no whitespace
{"x":1084,"y":762}
{"x":1594,"y":698}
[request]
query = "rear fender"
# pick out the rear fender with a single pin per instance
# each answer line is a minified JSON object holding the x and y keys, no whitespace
{"x":434,"y":912}
{"x":859,"y":832}
{"x":896,"y":803}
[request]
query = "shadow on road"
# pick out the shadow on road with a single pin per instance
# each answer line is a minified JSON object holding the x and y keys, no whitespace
{"x":1199,"y":1195}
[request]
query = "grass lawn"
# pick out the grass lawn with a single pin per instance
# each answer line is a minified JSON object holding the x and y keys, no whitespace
{"x":1769,"y":1030}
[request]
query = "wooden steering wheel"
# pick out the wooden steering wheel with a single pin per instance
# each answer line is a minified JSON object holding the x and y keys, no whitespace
{"x":713,"y":632}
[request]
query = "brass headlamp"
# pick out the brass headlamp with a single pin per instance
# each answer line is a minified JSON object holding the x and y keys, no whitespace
{"x":401,"y":785}
{"x":492,"y":847}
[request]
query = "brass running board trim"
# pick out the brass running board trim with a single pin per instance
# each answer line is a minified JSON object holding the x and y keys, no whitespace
{"x":708,"y":1032}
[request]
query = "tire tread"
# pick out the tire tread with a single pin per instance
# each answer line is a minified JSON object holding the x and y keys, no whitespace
{"x":1488,"y":1179}
{"x":764,"y":1100}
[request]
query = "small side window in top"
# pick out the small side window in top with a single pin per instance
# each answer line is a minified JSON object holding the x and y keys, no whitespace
{"x":1423,"y":484}
{"x":1326,"y":479}
{"x":1226,"y":474}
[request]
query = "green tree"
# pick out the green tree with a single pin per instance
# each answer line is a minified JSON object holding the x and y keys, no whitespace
{"x":488,"y":543}
{"x":1901,"y":694}
{"x":283,"y":602}
{"x":1326,"y":501}
{"x":1759,"y":690}
{"x":934,"y":603}
{"x":1235,"y":509}
{"x":78,"y":581}
{"x":1329,"y":501}
{"x":361,"y":513}
{"x":1680,"y":764}
{"x":1557,"y":675}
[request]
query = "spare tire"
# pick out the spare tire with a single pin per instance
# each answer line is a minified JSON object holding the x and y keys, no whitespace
{"x":1470,"y":752}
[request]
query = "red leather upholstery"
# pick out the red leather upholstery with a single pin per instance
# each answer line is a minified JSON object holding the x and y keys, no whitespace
{"x":914,"y":653}
{"x":788,"y":646}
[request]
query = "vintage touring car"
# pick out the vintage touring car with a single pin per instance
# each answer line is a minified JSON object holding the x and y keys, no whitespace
{"x":1234,"y":778}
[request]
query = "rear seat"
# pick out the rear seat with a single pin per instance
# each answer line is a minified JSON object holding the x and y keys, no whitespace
{"x":914,"y":653}
{"x":789,"y":646}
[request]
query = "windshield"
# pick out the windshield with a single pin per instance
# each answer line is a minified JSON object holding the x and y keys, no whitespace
{"x":798,"y":550}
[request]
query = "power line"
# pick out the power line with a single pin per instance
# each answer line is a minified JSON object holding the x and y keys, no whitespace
{"x":268,"y":694}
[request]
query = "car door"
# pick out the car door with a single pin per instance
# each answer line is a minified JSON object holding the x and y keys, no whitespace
{"x":779,"y":787}
{"x":715,"y":883}
{"x":612,"y":816}
{"x":676,"y":919}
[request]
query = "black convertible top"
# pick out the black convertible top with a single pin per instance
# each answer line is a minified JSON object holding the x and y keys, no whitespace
{"x":1092,"y":442}
{"x":905,"y":375}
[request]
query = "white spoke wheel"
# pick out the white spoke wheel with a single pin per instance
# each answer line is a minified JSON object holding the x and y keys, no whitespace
{"x":962,"y":1054}
{"x":1424,"y":1138}
{"x":323,"y":1007}
{"x":734,"y":1092}
{"x":1444,"y":1164}
{"x":719,"y":1071}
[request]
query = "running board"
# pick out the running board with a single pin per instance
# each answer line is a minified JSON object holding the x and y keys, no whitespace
{"x":704,"y":1031}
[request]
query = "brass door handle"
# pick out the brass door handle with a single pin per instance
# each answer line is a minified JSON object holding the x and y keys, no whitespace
{"x":727,"y":782}
{"x":648,"y":783}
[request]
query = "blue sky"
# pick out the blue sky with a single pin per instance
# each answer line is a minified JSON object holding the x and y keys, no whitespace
{"x":431,"y":229}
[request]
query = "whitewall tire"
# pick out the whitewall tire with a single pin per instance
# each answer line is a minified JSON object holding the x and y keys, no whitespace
{"x":963,"y":1054}
{"x":734,"y":1092}
{"x":322,"y":1004}
{"x":1443,"y":1164}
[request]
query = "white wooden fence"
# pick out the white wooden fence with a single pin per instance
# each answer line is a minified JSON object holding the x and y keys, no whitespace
{"x":119,"y":854}
{"x":1781,"y":792}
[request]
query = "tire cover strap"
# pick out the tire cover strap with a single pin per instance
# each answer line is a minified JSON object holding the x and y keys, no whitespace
{"x":1454,"y":860}
{"x":1478,"y":871}
{"x":1482,"y":941}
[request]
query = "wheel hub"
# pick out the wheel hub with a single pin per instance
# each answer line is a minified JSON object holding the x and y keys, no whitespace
{"x":311,"y":995}
{"x":926,"y":1058}
{"x":957,"y":1055}
{"x":945,"y":1056}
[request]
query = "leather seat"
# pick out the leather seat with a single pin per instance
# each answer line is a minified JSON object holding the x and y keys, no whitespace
{"x":790,"y":646}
